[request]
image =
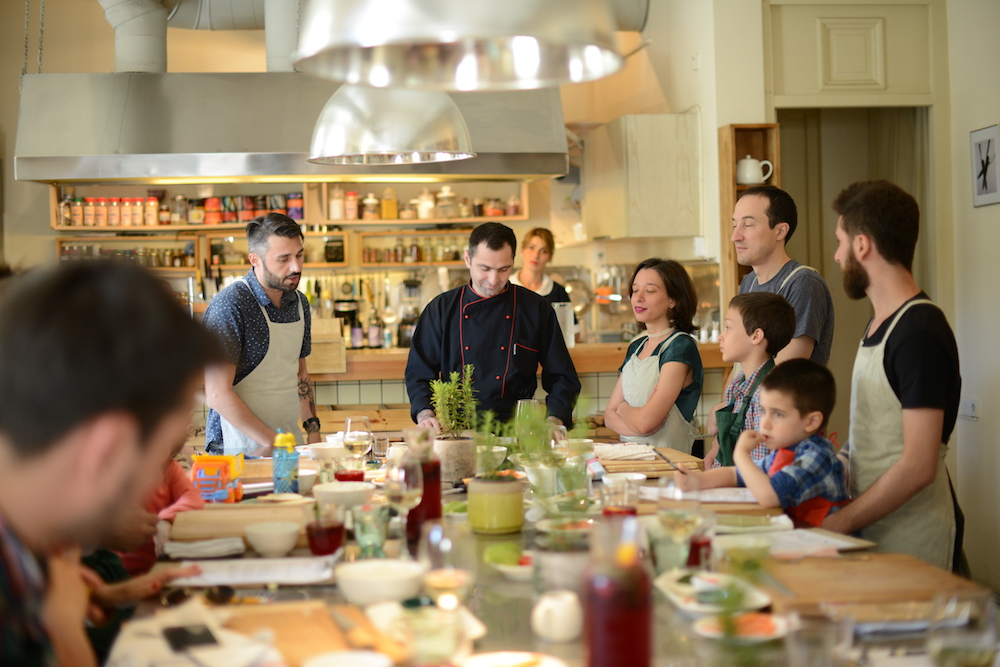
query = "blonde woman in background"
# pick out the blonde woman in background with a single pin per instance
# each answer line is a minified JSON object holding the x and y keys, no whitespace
{"x":536,"y":252}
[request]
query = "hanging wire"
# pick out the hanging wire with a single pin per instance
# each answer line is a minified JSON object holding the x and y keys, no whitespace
{"x":24,"y":64}
{"x":41,"y":32}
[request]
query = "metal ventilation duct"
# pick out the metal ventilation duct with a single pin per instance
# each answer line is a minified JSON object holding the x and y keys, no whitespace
{"x":159,"y":128}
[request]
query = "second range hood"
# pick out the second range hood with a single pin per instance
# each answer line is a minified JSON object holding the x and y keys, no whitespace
{"x":196,"y":128}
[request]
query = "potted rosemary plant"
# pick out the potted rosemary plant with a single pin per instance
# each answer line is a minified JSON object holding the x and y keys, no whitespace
{"x":455,"y":408}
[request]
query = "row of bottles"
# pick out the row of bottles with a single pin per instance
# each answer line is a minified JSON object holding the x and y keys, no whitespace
{"x":443,"y":205}
{"x":419,"y":249}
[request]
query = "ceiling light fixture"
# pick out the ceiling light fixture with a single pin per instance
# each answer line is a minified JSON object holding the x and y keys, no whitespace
{"x":374,"y":126}
{"x":458,"y":44}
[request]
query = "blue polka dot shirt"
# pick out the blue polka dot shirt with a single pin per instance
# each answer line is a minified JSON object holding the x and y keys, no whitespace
{"x":235,"y":317}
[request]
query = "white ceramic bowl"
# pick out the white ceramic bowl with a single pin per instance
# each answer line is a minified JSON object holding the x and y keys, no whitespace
{"x":344,"y":493}
{"x":273,"y":539}
{"x":307,"y":478}
{"x":612,"y":478}
{"x":326,"y":451}
{"x":366,"y":582}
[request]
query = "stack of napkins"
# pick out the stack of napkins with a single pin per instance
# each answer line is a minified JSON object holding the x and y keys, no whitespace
{"x":624,"y":452}
{"x":218,"y":548}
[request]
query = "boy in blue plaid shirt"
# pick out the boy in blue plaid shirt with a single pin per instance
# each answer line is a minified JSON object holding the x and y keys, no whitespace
{"x":802,"y":474}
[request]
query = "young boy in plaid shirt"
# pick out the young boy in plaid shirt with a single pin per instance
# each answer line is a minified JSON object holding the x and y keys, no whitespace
{"x":802,"y":473}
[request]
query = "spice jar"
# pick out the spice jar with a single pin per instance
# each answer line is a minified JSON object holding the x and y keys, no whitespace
{"x":351,"y":206}
{"x":89,"y":211}
{"x":371,"y":207}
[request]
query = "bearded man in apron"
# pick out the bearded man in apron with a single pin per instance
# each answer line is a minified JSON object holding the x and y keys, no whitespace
{"x":263,"y":322}
{"x":905,"y":388}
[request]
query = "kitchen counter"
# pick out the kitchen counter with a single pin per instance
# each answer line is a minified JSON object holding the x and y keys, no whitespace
{"x":587,"y":357}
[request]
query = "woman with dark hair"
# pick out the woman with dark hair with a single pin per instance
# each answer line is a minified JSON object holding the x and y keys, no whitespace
{"x":660,"y":382}
{"x":537,"y":250}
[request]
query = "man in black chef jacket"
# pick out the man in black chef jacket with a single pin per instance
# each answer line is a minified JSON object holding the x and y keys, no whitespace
{"x":503,"y":330}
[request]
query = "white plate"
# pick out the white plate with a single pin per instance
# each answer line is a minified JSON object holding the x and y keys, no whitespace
{"x":708,"y":626}
{"x":512,"y":659}
{"x":518,"y":572}
{"x":683,"y":594}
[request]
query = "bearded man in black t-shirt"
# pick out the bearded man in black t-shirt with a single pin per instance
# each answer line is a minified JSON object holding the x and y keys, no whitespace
{"x":905,"y":388}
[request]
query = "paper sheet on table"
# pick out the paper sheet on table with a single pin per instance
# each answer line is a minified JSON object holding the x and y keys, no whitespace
{"x":723,"y":495}
{"x":247,"y":571}
{"x":805,"y":540}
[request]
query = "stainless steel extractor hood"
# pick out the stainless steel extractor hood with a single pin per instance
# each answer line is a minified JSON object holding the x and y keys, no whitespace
{"x":198,"y":128}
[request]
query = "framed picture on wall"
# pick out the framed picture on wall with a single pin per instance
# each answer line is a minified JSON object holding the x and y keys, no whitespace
{"x":985,"y":188}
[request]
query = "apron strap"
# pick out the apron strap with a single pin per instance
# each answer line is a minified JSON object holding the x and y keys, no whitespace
{"x":727,"y":439}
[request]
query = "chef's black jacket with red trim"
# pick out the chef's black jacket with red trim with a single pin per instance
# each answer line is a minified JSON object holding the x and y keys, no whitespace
{"x":505,"y":337}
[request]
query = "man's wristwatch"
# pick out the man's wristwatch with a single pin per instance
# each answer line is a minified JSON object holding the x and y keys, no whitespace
{"x":311,"y":425}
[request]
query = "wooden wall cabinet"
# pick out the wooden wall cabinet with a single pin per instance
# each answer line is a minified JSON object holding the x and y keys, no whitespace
{"x":640,"y":177}
{"x":761,"y":142}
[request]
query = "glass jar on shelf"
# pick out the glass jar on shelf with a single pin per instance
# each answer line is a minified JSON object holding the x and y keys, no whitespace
{"x":425,"y":205}
{"x":336,"y":208}
{"x":464,"y":208}
{"x":446,"y":206}
{"x":409,"y":210}
{"x":351,"y":206}
{"x":390,"y":204}
{"x":101,"y":212}
{"x":400,"y":251}
{"x":370,"y":209}
{"x":513,"y":205}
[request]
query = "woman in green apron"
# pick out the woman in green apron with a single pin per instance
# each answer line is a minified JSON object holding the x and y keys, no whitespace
{"x":660,"y":383}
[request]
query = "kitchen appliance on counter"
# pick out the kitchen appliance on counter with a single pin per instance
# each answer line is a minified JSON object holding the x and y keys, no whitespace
{"x":409,"y":311}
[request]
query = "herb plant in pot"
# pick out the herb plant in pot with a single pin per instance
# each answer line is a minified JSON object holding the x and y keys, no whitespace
{"x":496,"y":504}
{"x":455,"y":409}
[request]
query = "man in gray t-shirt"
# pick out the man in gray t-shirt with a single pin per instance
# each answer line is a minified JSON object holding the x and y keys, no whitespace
{"x":764,"y":219}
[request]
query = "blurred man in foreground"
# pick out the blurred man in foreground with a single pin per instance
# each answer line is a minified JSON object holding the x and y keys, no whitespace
{"x":98,"y":369}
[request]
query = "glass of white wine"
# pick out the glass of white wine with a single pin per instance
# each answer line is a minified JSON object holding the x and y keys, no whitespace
{"x":680,"y":515}
{"x":446,"y":551}
{"x":403,"y":489}
{"x":358,"y":436}
{"x":963,"y":631}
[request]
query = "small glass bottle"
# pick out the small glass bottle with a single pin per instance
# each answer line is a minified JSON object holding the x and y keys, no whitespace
{"x":478,"y":207}
{"x":351,"y":206}
{"x":336,"y":210}
{"x":513,"y":205}
{"x":375,"y":326}
{"x":399,"y":251}
{"x":114,"y":212}
{"x":439,"y":250}
{"x":414,"y":251}
{"x":371,"y":207}
{"x":125,"y":212}
{"x":76,"y":212}
{"x":150,"y":212}
{"x":446,"y":207}
{"x":464,"y":208}
{"x":390,"y":204}
{"x":455,"y":249}
{"x":409,"y":211}
{"x":179,"y":212}
{"x":164,"y":214}
{"x":66,"y":209}
{"x":89,"y":211}
{"x":425,"y":205}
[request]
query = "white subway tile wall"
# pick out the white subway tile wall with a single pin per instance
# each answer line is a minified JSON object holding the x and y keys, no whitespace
{"x":596,"y":389}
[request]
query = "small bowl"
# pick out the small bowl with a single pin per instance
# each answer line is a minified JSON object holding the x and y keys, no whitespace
{"x":518,"y":572}
{"x":344,"y":493}
{"x":273,"y":539}
{"x":366,"y":582}
{"x":326,"y":451}
{"x":613,"y":478}
{"x":307,"y":478}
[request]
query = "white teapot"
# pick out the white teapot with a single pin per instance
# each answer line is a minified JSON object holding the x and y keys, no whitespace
{"x":751,"y":172}
{"x":557,"y":616}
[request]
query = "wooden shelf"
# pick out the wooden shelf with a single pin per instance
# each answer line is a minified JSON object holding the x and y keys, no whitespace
{"x":403,"y":266}
{"x":761,"y":142}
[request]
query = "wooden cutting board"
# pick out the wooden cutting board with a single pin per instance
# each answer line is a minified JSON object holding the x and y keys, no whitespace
{"x":869,"y":578}
{"x":232,"y":520}
{"x":305,"y":629}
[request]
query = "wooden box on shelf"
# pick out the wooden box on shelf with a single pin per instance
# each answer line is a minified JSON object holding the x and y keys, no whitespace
{"x":761,"y":142}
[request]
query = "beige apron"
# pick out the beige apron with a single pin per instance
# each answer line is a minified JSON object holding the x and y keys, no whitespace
{"x":925,"y":526}
{"x":639,"y":379}
{"x":271,"y":389}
